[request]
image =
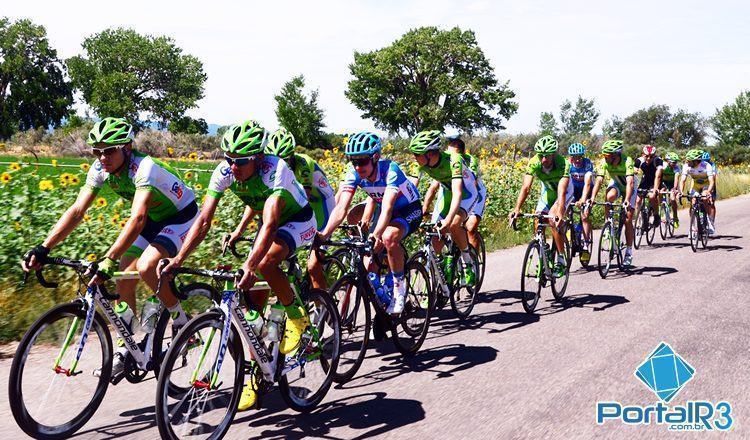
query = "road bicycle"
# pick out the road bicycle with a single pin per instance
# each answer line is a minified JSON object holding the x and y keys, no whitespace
{"x":698,"y":232}
{"x":611,"y":245}
{"x":52,"y":388}
{"x":666,"y":227}
{"x":212,"y":382}
{"x":538,"y":269}
{"x":575,"y":234}
{"x":642,"y":223}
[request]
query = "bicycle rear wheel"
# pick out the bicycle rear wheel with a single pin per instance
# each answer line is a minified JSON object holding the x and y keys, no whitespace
{"x":463,"y":296}
{"x":49,"y":403}
{"x":559,"y":285}
{"x":606,"y":250}
{"x":532,"y":273}
{"x":639,"y":226}
{"x":356,"y":321}
{"x":411,"y":327}
{"x":650,"y":228}
{"x":206,"y":408}
{"x":482,"y":257}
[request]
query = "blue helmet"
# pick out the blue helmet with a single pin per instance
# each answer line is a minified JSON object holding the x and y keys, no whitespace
{"x":363,"y":143}
{"x":706,"y":156}
{"x":576,"y":149}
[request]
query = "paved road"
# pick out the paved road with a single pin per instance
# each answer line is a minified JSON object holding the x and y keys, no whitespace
{"x":506,"y":374}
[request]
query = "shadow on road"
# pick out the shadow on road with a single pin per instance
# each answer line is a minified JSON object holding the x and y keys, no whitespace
{"x":588,"y":300}
{"x":653,"y":271}
{"x":367,"y":414}
{"x":443,"y":361}
{"x":723,"y":247}
{"x":131,"y":423}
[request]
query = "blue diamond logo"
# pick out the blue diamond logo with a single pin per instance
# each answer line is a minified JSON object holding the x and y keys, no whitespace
{"x":665,"y":372}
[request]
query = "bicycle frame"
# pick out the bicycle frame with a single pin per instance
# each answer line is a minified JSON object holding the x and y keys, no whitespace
{"x":434,"y":267}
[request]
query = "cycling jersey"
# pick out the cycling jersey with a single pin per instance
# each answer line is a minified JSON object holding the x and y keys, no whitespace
{"x":170,"y":194}
{"x":699,"y":174}
{"x":451,"y":166}
{"x":322,"y":198}
{"x":578,"y":174}
{"x":272,"y":178}
{"x":648,"y":171}
{"x":669,"y":173}
{"x":549,"y":178}
{"x":617,"y":173}
{"x":390,"y":177}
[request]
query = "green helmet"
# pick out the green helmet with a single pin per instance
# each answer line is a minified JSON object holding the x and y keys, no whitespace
{"x":546,"y":145}
{"x":693,"y":154}
{"x":111,"y":131}
{"x":672,"y":157}
{"x":612,"y":146}
{"x":246,"y":139}
{"x":281,"y":143}
{"x":425,"y":141}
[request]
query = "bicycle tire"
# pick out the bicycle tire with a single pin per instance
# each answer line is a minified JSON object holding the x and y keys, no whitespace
{"x":694,"y":231}
{"x":414,"y":339}
{"x":605,"y":249}
{"x":346,"y":370}
{"x":651,"y":229}
{"x":665,"y":220}
{"x":638,"y":227}
{"x":464,"y":311}
{"x":530,"y":298}
{"x":482,"y":255}
{"x":704,"y":229}
{"x":558,"y":292}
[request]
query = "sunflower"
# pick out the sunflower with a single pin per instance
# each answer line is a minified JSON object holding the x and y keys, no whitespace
{"x":100,"y":217}
{"x":123,"y":222}
{"x":198,"y":186}
{"x":54,"y":163}
{"x":86,"y":217}
{"x":91,"y":258}
{"x":101,"y":202}
{"x":17,"y":226}
{"x":214,"y":222}
{"x":5,"y":178}
{"x":170,"y":151}
{"x":193,"y":156}
{"x":85,"y":167}
{"x":15,"y":166}
{"x":189,"y":175}
{"x":46,"y":185}
{"x":115,"y":217}
{"x":75,"y":180}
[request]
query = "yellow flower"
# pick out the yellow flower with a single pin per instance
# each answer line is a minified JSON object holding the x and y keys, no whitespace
{"x":189,"y":175}
{"x":85,"y":167}
{"x":15,"y":166}
{"x":193,"y":156}
{"x":495,"y":150}
{"x":101,"y":202}
{"x":326,"y":153}
{"x":17,"y":226}
{"x":86,"y":217}
{"x":123,"y":222}
{"x":115,"y":217}
{"x":75,"y":180}
{"x":214,"y":222}
{"x":100,"y":217}
{"x":91,"y":258}
{"x":54,"y":163}
{"x":46,"y":185}
{"x":65,"y":179}
{"x":170,"y":151}
{"x":5,"y":178}
{"x":198,"y":186}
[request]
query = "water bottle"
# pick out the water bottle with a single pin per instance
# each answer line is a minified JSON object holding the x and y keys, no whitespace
{"x":275,"y":319}
{"x":380,"y":292}
{"x":149,"y":314}
{"x":448,"y":265}
{"x":127,"y":317}
{"x":255,"y":321}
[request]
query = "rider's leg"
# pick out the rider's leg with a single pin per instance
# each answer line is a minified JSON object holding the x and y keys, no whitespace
{"x":147,"y":267}
{"x":126,"y":288}
{"x":392,"y":236}
{"x":472,"y":227}
{"x":586,"y":221}
{"x":655,"y":206}
{"x":315,"y":270}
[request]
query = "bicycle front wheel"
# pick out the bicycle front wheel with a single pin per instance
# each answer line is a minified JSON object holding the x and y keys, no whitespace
{"x":532,"y":272}
{"x":50,"y":394}
{"x":640,"y":223}
{"x":606,"y":250}
{"x":560,"y":284}
{"x":463,"y":292}
{"x":411,"y":327}
{"x":694,"y":232}
{"x":356,"y":321}
{"x":665,"y":220}
{"x":208,"y":404}
{"x":482,"y":257}
{"x":650,"y":228}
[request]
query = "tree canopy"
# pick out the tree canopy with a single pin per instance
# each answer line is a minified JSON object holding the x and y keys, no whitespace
{"x":300,"y":114}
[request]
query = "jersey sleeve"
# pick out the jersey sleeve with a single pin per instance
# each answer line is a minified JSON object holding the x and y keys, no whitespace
{"x":304,"y":171}
{"x":629,"y":167}
{"x":710,"y":170}
{"x":395,"y":177}
{"x":221,"y":180}
{"x":145,"y":176}
{"x":457,"y":166}
{"x":351,"y":180}
{"x":658,"y":163}
{"x":589,"y":168}
{"x":532,"y":169}
{"x":95,"y":177}
{"x":566,"y":169}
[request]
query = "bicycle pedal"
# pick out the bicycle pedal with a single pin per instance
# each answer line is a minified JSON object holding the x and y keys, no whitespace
{"x":114,"y":380}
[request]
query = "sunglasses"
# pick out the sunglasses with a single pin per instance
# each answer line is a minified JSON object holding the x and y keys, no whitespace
{"x":98,"y":152}
{"x":360,"y":161}
{"x":239,"y":161}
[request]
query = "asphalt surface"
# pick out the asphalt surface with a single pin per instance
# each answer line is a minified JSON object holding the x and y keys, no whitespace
{"x":507,"y":374}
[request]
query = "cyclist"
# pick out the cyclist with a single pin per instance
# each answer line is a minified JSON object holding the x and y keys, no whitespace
{"x":707,"y":157}
{"x":704,"y":182}
{"x":652,"y":168}
{"x":396,"y":196}
{"x":621,"y":172}
{"x":319,"y":192}
{"x":670,"y":183}
{"x":459,"y":192}
{"x":458,"y":146}
{"x":268,"y":188}
{"x":163,"y":210}
{"x":553,"y":171}
{"x":582,"y":176}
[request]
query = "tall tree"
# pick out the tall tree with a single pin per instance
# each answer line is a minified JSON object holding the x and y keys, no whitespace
{"x":613,"y":127}
{"x":657,"y":125}
{"x":188,"y":125}
{"x":579,"y":118}
{"x":300,"y":114}
{"x":732,"y":122}
{"x":33,"y":90}
{"x":430,"y":78}
{"x":126,"y":74}
{"x":547,"y":124}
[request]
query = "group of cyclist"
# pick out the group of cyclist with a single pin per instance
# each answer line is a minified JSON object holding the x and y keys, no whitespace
{"x":578,"y":181}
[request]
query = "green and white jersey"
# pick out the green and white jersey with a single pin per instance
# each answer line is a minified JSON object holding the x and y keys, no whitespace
{"x":549,"y":178}
{"x":309,"y":174}
{"x":144,"y":173}
{"x":618,"y":173}
{"x":272,"y":177}
{"x":451,"y":166}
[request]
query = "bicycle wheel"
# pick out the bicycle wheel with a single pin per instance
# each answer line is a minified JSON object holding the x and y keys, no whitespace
{"x":606,"y":249}
{"x":559,"y":285}
{"x":532,"y":272}
{"x":52,"y":404}
{"x":665,"y":220}
{"x":463,"y":295}
{"x":482,"y":258}
{"x":306,"y":374}
{"x":354,"y":311}
{"x":203,"y":410}
{"x":333,"y":269}
{"x":639,"y":226}
{"x":704,"y":229}
{"x":695,"y":231}
{"x":411,"y":327}
{"x":649,"y":227}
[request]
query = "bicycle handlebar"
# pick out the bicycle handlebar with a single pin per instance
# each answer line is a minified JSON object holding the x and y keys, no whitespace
{"x":225,"y":244}
{"x":79,"y":266}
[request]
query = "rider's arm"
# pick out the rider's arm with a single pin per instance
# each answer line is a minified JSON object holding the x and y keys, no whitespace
{"x":457,"y":186}
{"x":586,"y":186}
{"x":562,"y":189}
{"x":343,"y":201}
{"x":528,"y":179}
{"x":711,"y":183}
{"x":70,"y":218}
{"x":134,"y":225}
{"x":597,"y":185}
{"x":430,"y":195}
{"x":630,"y":183}
{"x":271,"y":214}
{"x":199,"y":229}
{"x":368,"y":213}
{"x":247,"y":216}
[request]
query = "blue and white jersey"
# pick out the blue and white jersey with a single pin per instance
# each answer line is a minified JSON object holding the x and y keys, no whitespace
{"x":390,"y":177}
{"x":577,"y":175}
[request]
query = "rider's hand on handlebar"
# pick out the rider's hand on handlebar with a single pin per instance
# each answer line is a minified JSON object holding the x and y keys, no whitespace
{"x":31,"y":260}
{"x":249,"y":278}
{"x":166,"y":271}
{"x":443,"y":227}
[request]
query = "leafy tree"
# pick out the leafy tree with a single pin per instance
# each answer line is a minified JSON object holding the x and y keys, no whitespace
{"x":33,"y":90}
{"x":688,"y":129}
{"x":613,"y":127}
{"x":732,"y":122}
{"x":579,"y":118}
{"x":657,"y":125}
{"x":126,"y":74}
{"x":547,"y":124}
{"x":188,"y":125}
{"x":430,"y":78}
{"x":300,"y":114}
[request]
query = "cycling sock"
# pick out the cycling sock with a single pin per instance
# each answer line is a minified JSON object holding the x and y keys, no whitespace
{"x":629,"y":250}
{"x":179,"y":318}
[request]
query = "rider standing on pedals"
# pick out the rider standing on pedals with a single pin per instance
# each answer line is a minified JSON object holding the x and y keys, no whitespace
{"x":582,"y":176}
{"x":652,"y":169}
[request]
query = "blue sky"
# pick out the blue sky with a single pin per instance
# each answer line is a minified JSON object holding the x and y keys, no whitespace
{"x":689,"y":54}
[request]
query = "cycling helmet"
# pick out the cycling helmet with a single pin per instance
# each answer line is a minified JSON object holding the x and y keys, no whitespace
{"x":612,"y":146}
{"x":246,"y":139}
{"x":672,"y":157}
{"x":649,"y":150}
{"x":706,"y":155}
{"x":576,"y":149}
{"x":425,"y":141}
{"x":111,"y":131}
{"x":694,"y":155}
{"x":363,"y":143}
{"x":281,"y":143}
{"x":546,"y":145}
